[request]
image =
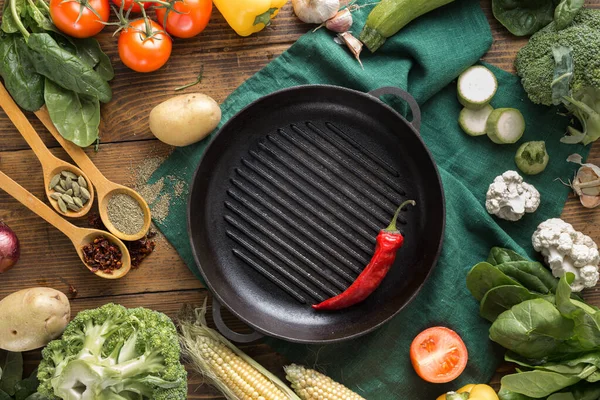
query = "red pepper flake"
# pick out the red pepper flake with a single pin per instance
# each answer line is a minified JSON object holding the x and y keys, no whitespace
{"x":138,"y":249}
{"x":102,"y":255}
{"x":72,"y":291}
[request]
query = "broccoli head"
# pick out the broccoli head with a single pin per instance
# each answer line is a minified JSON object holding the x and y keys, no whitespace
{"x":535,"y":62}
{"x":114,"y":353}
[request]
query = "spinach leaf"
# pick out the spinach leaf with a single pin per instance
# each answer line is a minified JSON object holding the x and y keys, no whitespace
{"x":538,"y":270}
{"x":39,"y":18}
{"x":499,"y":255}
{"x":587,"y":328}
{"x":562,"y":396}
{"x":586,"y":391}
{"x":12,"y":371}
{"x":566,"y":11}
{"x":89,"y":50}
{"x":502,"y":298}
{"x":532,"y":329}
{"x":563,"y":73}
{"x":37,"y":396}
{"x":505,"y":394}
{"x":485,"y":276}
{"x":23,"y":83}
{"x":76,"y":117}
{"x":9,"y":23}
{"x":27,"y":387}
{"x":537,"y":384}
{"x":4,"y":395}
{"x":523,"y":17}
{"x":65,"y":69}
{"x":518,"y":270}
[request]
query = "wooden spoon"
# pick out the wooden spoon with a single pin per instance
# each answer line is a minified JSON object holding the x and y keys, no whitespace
{"x":51,"y":165}
{"x":105,"y":188}
{"x":79,"y":236}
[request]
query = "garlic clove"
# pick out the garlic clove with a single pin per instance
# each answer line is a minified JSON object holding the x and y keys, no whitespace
{"x":315,"y":11}
{"x":589,"y":201}
{"x":591,"y":191}
{"x":353,"y":44}
{"x":341,"y":22}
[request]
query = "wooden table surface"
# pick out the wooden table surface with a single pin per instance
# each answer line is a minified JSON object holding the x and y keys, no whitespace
{"x":163,"y":282}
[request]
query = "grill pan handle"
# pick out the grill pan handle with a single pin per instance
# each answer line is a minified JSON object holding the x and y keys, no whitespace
{"x":228,"y":333}
{"x":416,"y":111}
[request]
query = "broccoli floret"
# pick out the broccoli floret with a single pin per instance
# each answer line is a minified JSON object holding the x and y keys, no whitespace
{"x":535,"y":62}
{"x":114,"y":353}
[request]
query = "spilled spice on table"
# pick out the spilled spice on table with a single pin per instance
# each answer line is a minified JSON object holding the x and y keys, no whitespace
{"x":138,"y":249}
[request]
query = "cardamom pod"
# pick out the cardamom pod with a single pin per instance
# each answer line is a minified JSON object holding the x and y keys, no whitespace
{"x":73,"y":207}
{"x":63,"y":184}
{"x":78,"y":202}
{"x":54,"y":181}
{"x":59,"y":189}
{"x":69,"y":192}
{"x":55,"y":196}
{"x":84,"y":194}
{"x":67,"y":199}
{"x":62,"y":205}
{"x":81,"y":181}
{"x":75,"y":188}
{"x":68,"y":174}
{"x":68,"y":182}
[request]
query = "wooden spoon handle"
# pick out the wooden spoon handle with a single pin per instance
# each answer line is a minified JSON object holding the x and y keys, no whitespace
{"x":24,"y":127}
{"x":76,"y":152}
{"x":37,"y":206}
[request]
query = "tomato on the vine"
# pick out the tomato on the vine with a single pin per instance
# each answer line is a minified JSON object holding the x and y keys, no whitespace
{"x":132,"y":4}
{"x":79,"y":18}
{"x":184,"y":18}
{"x":143,"y":46}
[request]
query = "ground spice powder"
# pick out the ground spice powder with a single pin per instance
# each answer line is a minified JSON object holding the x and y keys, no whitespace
{"x":125,"y":213}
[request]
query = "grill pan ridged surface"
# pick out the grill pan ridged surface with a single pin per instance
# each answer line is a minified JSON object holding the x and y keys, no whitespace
{"x":288,"y":200}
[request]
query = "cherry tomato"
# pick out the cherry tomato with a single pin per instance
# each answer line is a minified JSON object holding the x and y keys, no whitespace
{"x":144,"y":49}
{"x":190,"y":19}
{"x":65,"y":14}
{"x":129,"y":3}
{"x":438,"y":355}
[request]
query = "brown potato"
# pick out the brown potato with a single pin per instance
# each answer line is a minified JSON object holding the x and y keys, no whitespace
{"x":30,"y":318}
{"x":186,"y":119}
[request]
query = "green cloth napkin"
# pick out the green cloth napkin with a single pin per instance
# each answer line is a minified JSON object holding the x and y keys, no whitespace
{"x":424,"y":58}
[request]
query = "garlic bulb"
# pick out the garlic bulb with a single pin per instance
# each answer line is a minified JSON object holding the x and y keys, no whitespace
{"x":587,"y":182}
{"x":315,"y":11}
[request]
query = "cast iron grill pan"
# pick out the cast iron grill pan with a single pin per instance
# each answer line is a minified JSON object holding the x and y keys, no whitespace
{"x":288,"y":199}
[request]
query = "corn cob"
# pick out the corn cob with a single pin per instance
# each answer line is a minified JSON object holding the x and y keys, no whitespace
{"x":225,"y":366}
{"x":312,"y":385}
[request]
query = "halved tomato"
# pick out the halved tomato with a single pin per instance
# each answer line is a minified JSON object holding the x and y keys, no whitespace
{"x":438,"y":355}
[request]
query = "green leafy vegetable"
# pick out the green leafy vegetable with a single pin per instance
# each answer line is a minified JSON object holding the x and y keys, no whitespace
{"x":499,"y":255}
{"x":9,"y":22}
{"x":523,"y":17}
{"x":503,"y":298}
{"x":19,"y":75}
{"x":90,"y":52}
{"x":75,"y":116}
{"x":532,"y":329}
{"x":537,"y":384}
{"x":518,"y":270}
{"x":485,"y":276}
{"x":566,"y":11}
{"x":11,"y":367}
{"x":64,"y":69}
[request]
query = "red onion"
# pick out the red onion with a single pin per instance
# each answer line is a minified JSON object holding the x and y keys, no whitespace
{"x":9,"y":248}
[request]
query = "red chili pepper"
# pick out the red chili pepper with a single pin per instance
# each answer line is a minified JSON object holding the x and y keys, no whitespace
{"x":389,"y":241}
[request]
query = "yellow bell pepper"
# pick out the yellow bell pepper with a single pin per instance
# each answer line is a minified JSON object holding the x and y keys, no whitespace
{"x":476,"y":392}
{"x":249,"y":16}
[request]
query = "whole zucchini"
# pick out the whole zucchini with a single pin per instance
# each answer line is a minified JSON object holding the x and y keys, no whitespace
{"x":389,"y":16}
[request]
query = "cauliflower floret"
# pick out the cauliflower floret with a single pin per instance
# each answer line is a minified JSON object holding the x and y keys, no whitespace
{"x":508,"y":197}
{"x":567,"y":250}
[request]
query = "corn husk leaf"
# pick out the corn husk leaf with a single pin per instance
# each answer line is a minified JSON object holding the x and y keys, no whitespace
{"x":192,"y":325}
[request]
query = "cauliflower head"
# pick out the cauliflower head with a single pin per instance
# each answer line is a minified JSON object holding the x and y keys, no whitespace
{"x":509,"y":198}
{"x":567,"y":250}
